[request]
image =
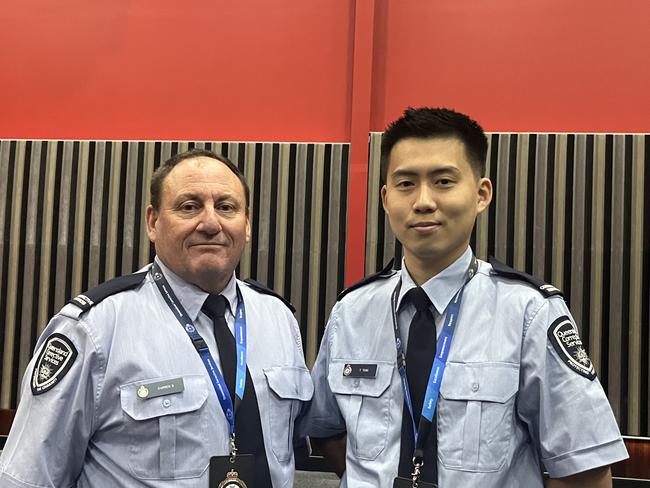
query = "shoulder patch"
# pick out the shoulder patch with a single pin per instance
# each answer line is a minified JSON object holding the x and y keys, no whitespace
{"x":89,"y":299}
{"x":504,"y":270}
{"x":568,"y":346}
{"x":56,"y":357}
{"x":259,"y":287}
{"x":385,"y":273}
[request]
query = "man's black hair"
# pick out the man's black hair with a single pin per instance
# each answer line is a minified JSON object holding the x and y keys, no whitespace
{"x":161,"y":173}
{"x":426,"y":123}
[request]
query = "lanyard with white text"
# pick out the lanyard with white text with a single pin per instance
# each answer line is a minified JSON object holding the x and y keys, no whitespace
{"x":216,"y":377}
{"x":437,"y":369}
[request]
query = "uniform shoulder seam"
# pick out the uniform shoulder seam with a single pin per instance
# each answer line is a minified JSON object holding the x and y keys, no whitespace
{"x":260,"y":288}
{"x":85,"y":301}
{"x":383,"y":274}
{"x":501,"y":269}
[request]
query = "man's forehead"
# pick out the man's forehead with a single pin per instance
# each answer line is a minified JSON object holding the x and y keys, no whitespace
{"x":435,"y":152}
{"x":195,"y":174}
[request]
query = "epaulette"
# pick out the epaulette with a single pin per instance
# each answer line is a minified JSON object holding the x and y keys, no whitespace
{"x":504,"y":270}
{"x":385,"y":273}
{"x":92,"y":297}
{"x":257,"y":286}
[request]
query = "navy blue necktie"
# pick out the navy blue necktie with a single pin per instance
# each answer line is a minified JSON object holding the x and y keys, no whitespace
{"x":420,"y":352}
{"x":248,"y":429}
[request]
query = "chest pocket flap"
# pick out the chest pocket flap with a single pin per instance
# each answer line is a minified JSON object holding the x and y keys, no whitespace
{"x":290,"y":382}
{"x":483,"y":382}
{"x":342,"y":384}
{"x":193,"y":396}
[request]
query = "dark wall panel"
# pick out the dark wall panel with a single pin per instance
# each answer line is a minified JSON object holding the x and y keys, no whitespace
{"x":71,"y":216}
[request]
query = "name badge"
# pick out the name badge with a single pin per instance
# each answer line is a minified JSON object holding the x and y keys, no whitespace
{"x":152,"y":390}
{"x":360,"y":370}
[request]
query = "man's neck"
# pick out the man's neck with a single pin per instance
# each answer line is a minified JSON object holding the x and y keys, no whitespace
{"x":422,"y":270}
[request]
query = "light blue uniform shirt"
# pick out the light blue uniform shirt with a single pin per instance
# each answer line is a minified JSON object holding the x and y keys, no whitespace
{"x":509,"y":406}
{"x":92,"y":429}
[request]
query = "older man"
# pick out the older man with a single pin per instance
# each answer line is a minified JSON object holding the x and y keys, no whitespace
{"x":142,"y":380}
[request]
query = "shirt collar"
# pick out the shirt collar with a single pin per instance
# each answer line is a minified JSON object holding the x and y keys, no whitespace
{"x":442,"y":287}
{"x":191,"y":296}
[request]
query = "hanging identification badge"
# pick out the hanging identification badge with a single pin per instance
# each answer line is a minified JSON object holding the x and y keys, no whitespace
{"x":224,"y":473}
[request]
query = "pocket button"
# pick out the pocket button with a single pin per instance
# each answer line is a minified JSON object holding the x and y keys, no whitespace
{"x":167,"y":403}
{"x":475,"y":387}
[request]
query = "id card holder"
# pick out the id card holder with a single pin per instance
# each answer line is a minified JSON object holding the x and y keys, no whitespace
{"x":240,"y":474}
{"x":408,"y":483}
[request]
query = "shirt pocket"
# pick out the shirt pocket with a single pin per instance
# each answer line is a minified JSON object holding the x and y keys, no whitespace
{"x":475,"y":415}
{"x":365,"y":404}
{"x":288,"y":386}
{"x":167,"y":434}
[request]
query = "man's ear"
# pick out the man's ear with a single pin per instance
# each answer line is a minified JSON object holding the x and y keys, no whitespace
{"x":151,"y":216}
{"x":484,"y":194}
{"x":248,"y":226}
{"x":383,"y":198}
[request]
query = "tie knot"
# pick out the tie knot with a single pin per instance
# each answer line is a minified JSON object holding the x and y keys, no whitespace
{"x":215,"y":306}
{"x":418,"y":297}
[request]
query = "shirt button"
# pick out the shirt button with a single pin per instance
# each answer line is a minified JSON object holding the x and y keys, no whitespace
{"x":474,"y":387}
{"x":167,"y":403}
{"x":356,"y":383}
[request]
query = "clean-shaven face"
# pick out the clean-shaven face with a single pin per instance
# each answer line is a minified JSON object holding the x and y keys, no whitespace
{"x":202,"y":225}
{"x":432,"y":197}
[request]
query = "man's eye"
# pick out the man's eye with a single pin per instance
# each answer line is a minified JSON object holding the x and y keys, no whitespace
{"x":404,"y":184}
{"x":445,"y":181}
{"x":226,"y":207}
{"x":188,"y":207}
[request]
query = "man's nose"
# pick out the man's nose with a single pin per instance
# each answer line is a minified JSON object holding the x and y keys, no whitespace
{"x":210,"y":222}
{"x":425,"y":200}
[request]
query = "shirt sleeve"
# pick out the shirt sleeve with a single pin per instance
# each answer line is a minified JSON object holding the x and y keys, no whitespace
{"x":560,"y":398}
{"x":48,"y":439}
{"x":323,"y":417}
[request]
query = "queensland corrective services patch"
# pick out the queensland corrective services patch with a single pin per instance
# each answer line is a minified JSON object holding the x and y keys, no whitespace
{"x":568,"y":345}
{"x":52,"y":364}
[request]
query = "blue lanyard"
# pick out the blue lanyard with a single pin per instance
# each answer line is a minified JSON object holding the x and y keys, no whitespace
{"x":421,"y":432}
{"x":218,"y":382}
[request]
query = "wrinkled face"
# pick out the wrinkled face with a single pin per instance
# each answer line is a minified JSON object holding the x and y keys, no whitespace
{"x":432,"y":197}
{"x":202,"y":225}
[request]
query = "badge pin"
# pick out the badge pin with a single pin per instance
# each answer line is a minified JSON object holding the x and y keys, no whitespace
{"x":348,"y":370}
{"x":232,"y":481}
{"x":143,"y":391}
{"x":157,"y":276}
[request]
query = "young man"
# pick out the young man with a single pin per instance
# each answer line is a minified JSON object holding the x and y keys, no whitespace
{"x":471,"y":371}
{"x":139,"y":382}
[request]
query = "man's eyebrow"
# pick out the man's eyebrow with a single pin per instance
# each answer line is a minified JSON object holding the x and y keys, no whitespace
{"x":185,"y":196}
{"x":438,"y":171}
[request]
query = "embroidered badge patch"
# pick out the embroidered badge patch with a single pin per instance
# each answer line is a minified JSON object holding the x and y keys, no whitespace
{"x":52,"y":364}
{"x":568,"y":345}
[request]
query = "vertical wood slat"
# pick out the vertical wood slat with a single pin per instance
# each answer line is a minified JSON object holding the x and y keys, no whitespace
{"x":589,"y":232}
{"x":72,"y":215}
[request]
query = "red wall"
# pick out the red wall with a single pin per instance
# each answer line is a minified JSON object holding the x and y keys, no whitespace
{"x":318,"y":70}
{"x":164,"y":69}
{"x":540,"y":66}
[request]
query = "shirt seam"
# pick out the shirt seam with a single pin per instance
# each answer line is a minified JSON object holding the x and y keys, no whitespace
{"x":26,"y":483}
{"x":102,"y":369}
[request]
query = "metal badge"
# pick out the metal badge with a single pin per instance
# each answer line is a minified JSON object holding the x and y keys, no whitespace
{"x":161,"y":388}
{"x":232,"y":481}
{"x":360,"y":370}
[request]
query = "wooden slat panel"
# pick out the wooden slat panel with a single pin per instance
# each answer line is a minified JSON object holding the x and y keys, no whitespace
{"x":72,"y":215}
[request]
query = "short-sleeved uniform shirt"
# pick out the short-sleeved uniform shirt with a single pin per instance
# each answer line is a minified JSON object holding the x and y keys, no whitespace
{"x":93,"y":430}
{"x":510,"y":405}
